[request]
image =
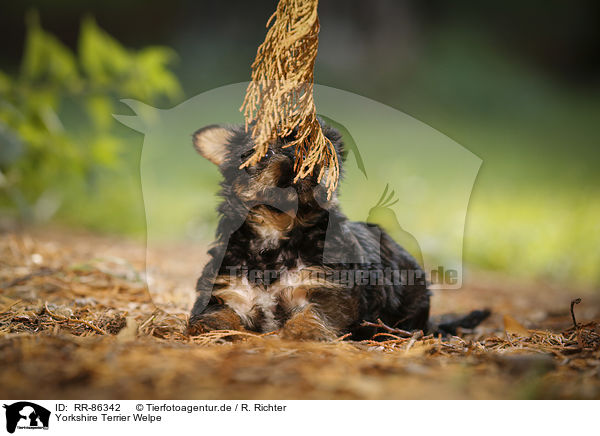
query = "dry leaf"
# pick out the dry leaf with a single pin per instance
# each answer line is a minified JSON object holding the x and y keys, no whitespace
{"x":513,"y":327}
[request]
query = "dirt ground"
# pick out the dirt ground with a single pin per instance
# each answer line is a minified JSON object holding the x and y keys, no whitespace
{"x":77,"y":322}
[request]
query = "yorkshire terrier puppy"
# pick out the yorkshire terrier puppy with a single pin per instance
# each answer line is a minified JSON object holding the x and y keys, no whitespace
{"x":286,"y":258}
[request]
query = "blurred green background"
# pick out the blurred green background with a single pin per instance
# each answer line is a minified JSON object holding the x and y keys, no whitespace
{"x":517,"y":83}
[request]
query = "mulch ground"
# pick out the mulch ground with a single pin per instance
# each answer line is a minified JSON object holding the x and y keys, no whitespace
{"x":77,"y":321}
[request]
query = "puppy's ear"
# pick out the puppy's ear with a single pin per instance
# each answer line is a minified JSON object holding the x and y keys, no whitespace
{"x":211,"y":142}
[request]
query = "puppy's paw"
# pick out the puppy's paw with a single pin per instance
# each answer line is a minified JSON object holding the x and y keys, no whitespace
{"x":307,"y":326}
{"x":222,"y":319}
{"x":196,"y":327}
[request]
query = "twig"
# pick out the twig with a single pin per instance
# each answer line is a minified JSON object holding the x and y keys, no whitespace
{"x":262,"y":335}
{"x":11,"y":305}
{"x":395,"y":337}
{"x":215,"y":335}
{"x":341,"y":338}
{"x":415,"y":336}
{"x":573,"y":303}
{"x":148,"y":320}
{"x":380,"y":324}
{"x":81,"y":321}
{"x":89,"y":324}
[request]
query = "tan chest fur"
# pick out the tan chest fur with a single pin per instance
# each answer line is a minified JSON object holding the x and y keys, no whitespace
{"x":257,"y":305}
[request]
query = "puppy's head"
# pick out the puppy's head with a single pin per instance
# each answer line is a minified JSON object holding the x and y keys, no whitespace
{"x":270,"y":182}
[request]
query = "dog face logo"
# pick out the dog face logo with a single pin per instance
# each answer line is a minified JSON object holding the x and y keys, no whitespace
{"x":26,"y":415}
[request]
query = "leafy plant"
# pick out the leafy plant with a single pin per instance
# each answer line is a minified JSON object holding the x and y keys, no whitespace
{"x":39,"y":156}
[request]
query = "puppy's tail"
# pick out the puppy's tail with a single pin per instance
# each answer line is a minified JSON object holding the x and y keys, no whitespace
{"x":449,"y":324}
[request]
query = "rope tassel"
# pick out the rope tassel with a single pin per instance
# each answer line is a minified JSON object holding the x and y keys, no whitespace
{"x":279,"y":100}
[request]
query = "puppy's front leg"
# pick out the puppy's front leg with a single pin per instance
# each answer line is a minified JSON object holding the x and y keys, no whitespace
{"x":308,"y":325}
{"x":209,"y":312}
{"x":330,"y":311}
{"x":215,"y":317}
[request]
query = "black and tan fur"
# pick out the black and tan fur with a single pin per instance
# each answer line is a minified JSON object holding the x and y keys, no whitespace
{"x":273,"y":230}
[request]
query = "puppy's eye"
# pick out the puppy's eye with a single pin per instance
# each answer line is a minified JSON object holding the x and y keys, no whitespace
{"x":245,"y":155}
{"x":269,"y":153}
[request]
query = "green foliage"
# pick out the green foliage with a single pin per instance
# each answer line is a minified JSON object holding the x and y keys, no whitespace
{"x":40,"y":158}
